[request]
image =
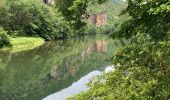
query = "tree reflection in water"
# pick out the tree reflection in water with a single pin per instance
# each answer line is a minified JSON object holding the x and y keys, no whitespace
{"x":34,"y":74}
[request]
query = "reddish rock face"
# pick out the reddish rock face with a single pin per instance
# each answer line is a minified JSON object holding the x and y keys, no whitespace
{"x":101,"y":19}
{"x":98,"y":19}
{"x":101,"y":46}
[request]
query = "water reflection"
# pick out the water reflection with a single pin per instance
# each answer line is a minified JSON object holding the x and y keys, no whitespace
{"x":34,"y":74}
{"x":78,"y":86}
{"x":75,"y":88}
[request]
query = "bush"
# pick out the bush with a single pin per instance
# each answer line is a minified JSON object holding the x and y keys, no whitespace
{"x":4,"y":38}
{"x":34,"y":18}
{"x":4,"y":14}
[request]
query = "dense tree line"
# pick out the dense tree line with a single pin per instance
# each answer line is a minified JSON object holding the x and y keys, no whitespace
{"x":34,"y":18}
{"x":31,"y":18}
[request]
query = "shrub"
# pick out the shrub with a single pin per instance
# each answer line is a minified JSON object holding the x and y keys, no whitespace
{"x":32,"y":17}
{"x":4,"y":38}
{"x":4,"y":14}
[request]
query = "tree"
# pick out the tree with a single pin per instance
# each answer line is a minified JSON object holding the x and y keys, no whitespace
{"x":33,"y":18}
{"x":73,"y":11}
{"x":142,"y":68}
{"x":148,"y":16}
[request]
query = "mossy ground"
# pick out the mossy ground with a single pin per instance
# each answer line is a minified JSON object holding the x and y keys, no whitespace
{"x":23,"y":44}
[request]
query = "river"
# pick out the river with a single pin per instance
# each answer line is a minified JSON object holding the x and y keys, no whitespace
{"x":54,"y":70}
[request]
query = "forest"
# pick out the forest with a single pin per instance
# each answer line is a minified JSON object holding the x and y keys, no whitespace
{"x":141,"y":66}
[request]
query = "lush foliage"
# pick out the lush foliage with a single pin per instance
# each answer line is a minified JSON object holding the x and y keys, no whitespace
{"x":142,"y":68}
{"x":33,"y":18}
{"x":151,"y":17}
{"x":4,"y":38}
{"x":112,"y":9}
{"x":74,"y":11}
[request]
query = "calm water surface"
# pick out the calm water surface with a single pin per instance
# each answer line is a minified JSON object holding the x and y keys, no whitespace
{"x":55,"y":70}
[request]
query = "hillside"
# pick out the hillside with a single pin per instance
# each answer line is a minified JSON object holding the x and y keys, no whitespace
{"x":112,"y":10}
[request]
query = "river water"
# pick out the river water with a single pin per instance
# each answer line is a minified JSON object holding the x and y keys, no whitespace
{"x":54,"y":70}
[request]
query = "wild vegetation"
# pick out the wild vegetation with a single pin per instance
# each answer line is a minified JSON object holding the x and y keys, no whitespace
{"x":76,"y":13}
{"x":33,"y":18}
{"x":112,"y":9}
{"x":142,"y":68}
{"x":74,"y":10}
{"x":4,"y":38}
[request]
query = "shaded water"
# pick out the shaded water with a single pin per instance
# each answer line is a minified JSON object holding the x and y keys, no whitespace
{"x":37,"y":73}
{"x":78,"y":86}
{"x":75,"y":88}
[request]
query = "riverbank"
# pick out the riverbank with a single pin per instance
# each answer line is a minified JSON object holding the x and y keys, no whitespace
{"x":37,"y":73}
{"x":23,"y":44}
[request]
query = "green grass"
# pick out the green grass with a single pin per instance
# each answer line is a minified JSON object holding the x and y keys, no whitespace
{"x":23,"y":44}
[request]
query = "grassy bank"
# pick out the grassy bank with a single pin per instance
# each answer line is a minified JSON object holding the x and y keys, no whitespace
{"x":23,"y":44}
